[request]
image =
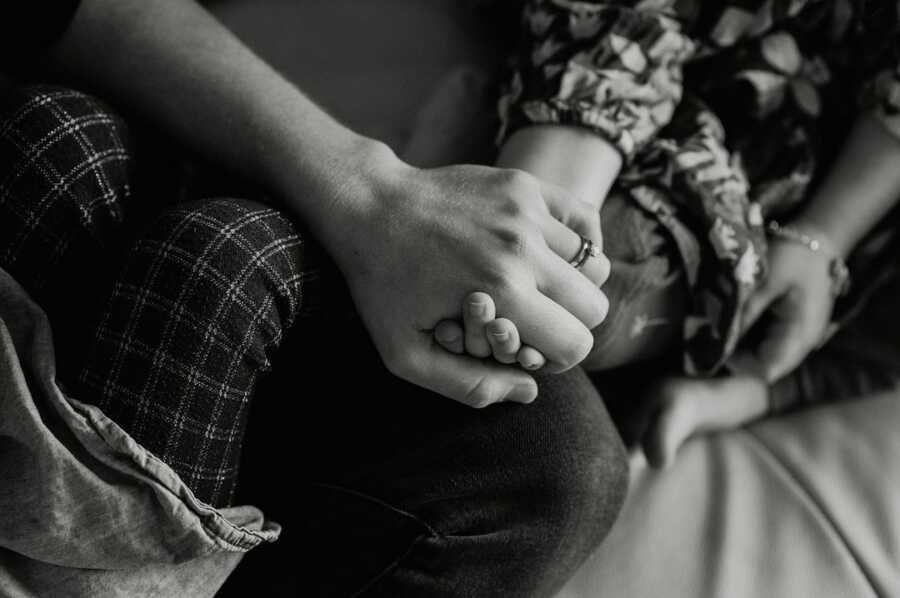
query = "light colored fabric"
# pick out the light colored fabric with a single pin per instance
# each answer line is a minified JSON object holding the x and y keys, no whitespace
{"x":84,"y":510}
{"x":804,"y":505}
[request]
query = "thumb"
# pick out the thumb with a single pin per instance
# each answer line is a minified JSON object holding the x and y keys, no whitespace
{"x":470,"y":381}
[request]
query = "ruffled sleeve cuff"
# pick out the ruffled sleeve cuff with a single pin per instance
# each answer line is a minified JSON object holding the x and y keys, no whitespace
{"x":612,"y":69}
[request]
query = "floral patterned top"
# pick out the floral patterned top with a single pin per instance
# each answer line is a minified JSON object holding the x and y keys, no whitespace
{"x":723,"y":111}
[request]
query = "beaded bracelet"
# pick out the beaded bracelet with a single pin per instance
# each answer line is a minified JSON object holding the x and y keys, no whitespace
{"x":837,"y":267}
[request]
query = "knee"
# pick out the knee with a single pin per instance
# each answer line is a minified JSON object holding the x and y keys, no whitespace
{"x":232,"y":261}
{"x":63,"y":153}
{"x":584,"y":490}
{"x":580,"y":486}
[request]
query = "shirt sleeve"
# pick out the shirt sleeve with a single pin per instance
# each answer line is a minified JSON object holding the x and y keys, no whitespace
{"x":607,"y":66}
{"x":30,"y":25}
{"x":880,"y":47}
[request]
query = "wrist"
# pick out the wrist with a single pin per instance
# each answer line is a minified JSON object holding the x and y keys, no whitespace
{"x":332,"y":189}
{"x":834,"y":238}
{"x":819,"y":244}
{"x":578,"y":160}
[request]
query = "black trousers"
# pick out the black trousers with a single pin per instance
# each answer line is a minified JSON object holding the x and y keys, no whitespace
{"x":220,"y":339}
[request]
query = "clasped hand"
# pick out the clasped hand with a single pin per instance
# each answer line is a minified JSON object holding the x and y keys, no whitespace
{"x":429,"y":238}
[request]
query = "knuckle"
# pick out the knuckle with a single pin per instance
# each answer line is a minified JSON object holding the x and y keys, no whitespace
{"x":516,"y":246}
{"x":497,"y":281}
{"x":510,"y":286}
{"x":600,"y":310}
{"x":513,"y":209}
{"x":514,"y":240}
{"x":522,"y":192}
{"x":518,"y":181}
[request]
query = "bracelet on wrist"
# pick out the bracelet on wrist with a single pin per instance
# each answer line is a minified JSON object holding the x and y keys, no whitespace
{"x":837,"y":267}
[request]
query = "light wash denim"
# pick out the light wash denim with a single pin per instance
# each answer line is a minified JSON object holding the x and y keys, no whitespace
{"x":85,"y":510}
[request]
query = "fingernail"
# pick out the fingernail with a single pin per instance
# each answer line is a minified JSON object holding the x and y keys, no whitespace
{"x":531,"y":365}
{"x":500,"y":336}
{"x":477,"y":308}
{"x":448,"y":338}
{"x":521,"y":393}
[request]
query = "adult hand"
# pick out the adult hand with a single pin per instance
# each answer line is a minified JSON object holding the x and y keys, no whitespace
{"x":482,"y":333}
{"x":410,"y":243}
{"x":427,"y":238}
{"x":582,"y":218}
{"x":797,"y":296}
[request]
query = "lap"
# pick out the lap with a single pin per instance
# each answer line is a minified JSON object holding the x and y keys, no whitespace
{"x":395,"y":473}
{"x":647,"y":288}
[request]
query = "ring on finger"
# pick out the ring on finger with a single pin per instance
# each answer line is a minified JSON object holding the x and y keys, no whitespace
{"x":587,"y":250}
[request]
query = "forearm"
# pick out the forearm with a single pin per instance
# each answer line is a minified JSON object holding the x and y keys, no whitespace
{"x":576,"y":159}
{"x":863,"y":185}
{"x":177,"y":66}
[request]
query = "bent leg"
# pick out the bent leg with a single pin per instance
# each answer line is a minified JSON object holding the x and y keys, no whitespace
{"x":412,"y":494}
{"x":66,"y":175}
{"x":199,"y":308}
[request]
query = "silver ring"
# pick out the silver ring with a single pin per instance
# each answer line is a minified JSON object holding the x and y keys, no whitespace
{"x":587,"y":250}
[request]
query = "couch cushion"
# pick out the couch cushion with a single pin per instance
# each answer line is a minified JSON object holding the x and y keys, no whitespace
{"x":803,"y":505}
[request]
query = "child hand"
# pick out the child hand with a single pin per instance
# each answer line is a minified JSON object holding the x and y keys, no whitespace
{"x":686,"y":407}
{"x":798,"y":297}
{"x":484,"y":335}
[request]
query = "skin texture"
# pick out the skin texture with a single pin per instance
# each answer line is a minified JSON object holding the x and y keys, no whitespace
{"x":470,"y":228}
{"x":576,"y":159}
{"x":585,"y":166}
{"x":484,"y":335}
{"x":861,"y":188}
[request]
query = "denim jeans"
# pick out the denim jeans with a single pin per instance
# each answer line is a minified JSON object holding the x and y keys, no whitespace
{"x":404,"y":493}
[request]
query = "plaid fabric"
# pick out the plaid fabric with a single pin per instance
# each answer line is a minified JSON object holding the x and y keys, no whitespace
{"x":65,"y":168}
{"x":204,"y":299}
{"x":181,"y":327}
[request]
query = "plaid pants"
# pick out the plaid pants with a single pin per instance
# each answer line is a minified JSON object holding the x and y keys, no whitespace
{"x":165,"y":323}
